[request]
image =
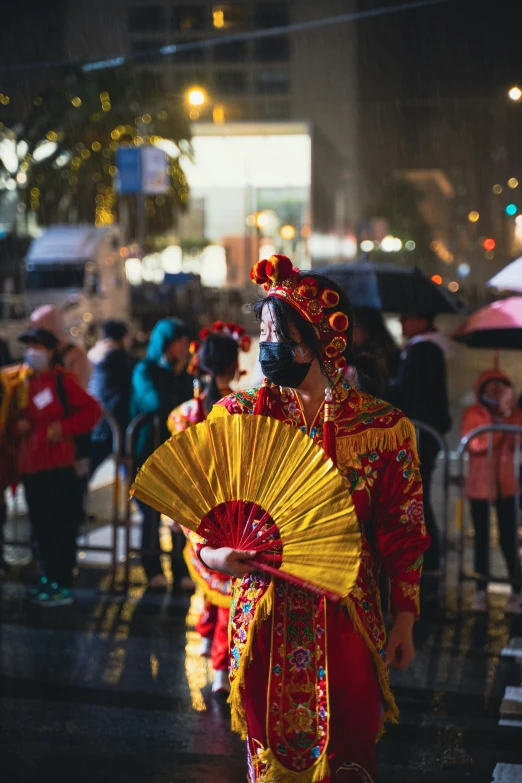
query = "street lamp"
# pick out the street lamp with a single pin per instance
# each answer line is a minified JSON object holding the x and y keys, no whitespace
{"x":196,"y":96}
{"x":287,"y":232}
{"x":261,"y":219}
{"x":515,"y":93}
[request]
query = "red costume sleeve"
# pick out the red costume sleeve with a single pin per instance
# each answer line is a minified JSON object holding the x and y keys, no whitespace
{"x":400,"y":529}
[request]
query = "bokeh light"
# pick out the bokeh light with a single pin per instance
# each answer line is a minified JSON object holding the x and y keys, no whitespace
{"x":437,"y":279}
{"x":287,"y":232}
{"x":474,"y":216}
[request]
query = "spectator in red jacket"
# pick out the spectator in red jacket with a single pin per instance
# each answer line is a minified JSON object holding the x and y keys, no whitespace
{"x":46,"y":457}
{"x":492,"y":480}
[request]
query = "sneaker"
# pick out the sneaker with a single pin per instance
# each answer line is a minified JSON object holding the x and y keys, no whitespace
{"x":480,"y":602}
{"x":513,"y":604}
{"x":38,"y":588}
{"x":205,"y":647}
{"x":221,"y":682}
{"x":54,"y":595}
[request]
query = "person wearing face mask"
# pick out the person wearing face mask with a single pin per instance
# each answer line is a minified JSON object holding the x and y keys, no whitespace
{"x":44,"y":432}
{"x":215,"y":364}
{"x":160,"y":382}
{"x":297,"y":715}
{"x":492,"y":480}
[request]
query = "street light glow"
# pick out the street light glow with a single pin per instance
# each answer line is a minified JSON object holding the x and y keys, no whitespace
{"x":261,"y":220}
{"x":196,"y":97}
{"x":287,"y":232}
{"x":515,"y":94}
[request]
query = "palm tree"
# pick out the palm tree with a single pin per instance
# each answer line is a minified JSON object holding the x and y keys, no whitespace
{"x":62,"y":158}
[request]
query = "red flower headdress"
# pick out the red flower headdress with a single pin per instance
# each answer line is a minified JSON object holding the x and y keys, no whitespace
{"x":316,"y":305}
{"x":230,"y":329}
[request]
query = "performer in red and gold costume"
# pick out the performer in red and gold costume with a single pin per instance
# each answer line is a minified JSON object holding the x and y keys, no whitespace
{"x":215,"y":364}
{"x":309,"y":678}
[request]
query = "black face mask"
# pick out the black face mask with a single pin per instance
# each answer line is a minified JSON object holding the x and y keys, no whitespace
{"x":279,"y":365}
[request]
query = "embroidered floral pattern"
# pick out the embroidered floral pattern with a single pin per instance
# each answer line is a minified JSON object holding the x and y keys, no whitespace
{"x":387,"y":491}
{"x":300,"y":722}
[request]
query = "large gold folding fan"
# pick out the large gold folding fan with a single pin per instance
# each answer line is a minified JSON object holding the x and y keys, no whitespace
{"x":253,"y":483}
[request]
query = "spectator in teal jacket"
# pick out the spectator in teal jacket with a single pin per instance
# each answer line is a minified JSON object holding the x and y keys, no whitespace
{"x":160,"y":382}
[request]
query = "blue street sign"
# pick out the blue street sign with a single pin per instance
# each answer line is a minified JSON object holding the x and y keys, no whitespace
{"x":128,"y":162}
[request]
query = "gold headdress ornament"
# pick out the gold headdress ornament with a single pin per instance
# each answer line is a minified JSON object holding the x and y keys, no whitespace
{"x":316,"y":305}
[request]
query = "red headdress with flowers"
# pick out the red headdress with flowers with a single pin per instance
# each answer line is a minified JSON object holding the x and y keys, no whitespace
{"x":318,"y":306}
{"x":230,"y":329}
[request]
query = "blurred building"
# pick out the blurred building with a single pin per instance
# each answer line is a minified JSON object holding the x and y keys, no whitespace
{"x":307,"y":76}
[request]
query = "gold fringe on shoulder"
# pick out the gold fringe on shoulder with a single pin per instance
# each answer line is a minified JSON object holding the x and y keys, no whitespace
{"x":349,"y":447}
{"x":391,"y":711}
{"x":275,"y":772}
{"x":213,"y":596}
{"x":263,"y":610}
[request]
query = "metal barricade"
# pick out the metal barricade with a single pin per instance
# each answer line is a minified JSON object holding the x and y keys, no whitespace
{"x":423,"y":430}
{"x":139,"y":421}
{"x":111,"y":549}
{"x":490,"y":430}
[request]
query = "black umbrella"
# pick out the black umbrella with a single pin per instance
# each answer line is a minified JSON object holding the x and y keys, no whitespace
{"x":393,"y":289}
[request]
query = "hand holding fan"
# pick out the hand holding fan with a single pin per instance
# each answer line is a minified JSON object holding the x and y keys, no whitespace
{"x":255,"y":484}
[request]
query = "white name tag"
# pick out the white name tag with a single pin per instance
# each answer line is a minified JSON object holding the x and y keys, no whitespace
{"x":43,"y":399}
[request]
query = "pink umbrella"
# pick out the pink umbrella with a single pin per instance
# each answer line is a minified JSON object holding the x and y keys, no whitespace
{"x":499,"y":326}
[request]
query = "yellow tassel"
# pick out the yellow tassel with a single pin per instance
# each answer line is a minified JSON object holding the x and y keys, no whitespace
{"x":275,"y":772}
{"x":213,"y":596}
{"x":391,"y":711}
{"x":238,"y":717}
{"x":349,"y":447}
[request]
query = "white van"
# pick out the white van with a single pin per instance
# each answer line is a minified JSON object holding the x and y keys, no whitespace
{"x":81,"y":270}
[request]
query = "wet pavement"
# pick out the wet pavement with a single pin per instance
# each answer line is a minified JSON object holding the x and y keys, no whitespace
{"x":113,"y":689}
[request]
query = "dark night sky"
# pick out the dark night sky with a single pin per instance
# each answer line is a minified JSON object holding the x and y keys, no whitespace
{"x":465,"y":48}
{"x":457,"y":48}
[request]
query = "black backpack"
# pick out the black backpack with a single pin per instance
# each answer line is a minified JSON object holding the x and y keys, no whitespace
{"x":82,"y":443}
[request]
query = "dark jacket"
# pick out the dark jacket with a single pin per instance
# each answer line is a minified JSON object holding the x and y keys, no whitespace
{"x":110,"y":384}
{"x":420,"y":388}
{"x":155,"y":388}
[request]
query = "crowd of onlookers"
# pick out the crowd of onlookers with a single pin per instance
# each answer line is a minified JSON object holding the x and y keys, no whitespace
{"x":53,"y":434}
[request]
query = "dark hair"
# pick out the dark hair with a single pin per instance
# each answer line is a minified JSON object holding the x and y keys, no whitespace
{"x":114,"y":330}
{"x":370,"y":370}
{"x":377,"y":339}
{"x":217,"y":355}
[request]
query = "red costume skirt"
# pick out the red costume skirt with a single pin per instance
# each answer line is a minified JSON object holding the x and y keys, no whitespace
{"x":355,"y":700}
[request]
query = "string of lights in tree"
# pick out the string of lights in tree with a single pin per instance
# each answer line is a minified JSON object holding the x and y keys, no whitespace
{"x":79,"y":169}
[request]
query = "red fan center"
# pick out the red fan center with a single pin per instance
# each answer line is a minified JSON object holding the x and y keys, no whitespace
{"x":243,"y":526}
